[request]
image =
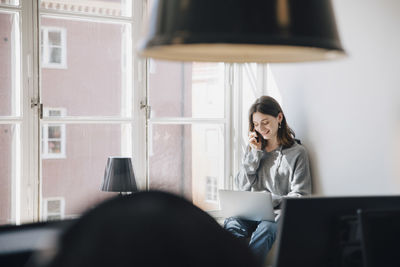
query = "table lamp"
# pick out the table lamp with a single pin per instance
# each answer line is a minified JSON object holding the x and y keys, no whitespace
{"x":119,"y":176}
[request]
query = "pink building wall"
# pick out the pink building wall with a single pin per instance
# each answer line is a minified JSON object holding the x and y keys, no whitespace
{"x":91,"y":83}
{"x":89,"y":86}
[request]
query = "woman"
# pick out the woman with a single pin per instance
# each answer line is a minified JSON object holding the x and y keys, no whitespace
{"x":274,"y":162}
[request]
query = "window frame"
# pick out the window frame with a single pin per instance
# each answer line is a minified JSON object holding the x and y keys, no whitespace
{"x":45,"y":214}
{"x":225,"y":121}
{"x":211,"y":189}
{"x":131,"y":143}
{"x":26,"y":175}
{"x":46,"y":48}
{"x":45,"y":138}
{"x":234,"y":141}
{"x":26,"y":194}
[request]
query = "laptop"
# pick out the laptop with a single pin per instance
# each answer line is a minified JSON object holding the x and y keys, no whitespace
{"x":255,"y":206}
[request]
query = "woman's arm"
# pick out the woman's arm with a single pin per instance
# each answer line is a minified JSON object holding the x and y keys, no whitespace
{"x":247,"y":174}
{"x":300,"y":182}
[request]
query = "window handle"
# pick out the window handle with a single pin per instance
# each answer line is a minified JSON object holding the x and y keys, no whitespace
{"x":147,"y":108}
{"x":35,"y":102}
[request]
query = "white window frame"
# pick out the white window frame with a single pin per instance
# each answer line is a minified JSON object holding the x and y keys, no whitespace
{"x":26,"y":165}
{"x":211,"y":192}
{"x":26,"y":198}
{"x":239,"y":126}
{"x":234,"y":144}
{"x":225,"y":121}
{"x":46,"y":214}
{"x":46,"y":48}
{"x":45,"y":138}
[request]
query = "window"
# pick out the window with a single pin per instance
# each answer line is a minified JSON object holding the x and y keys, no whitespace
{"x":198,"y":125}
{"x":211,"y":189}
{"x":70,"y":116}
{"x":189,"y":119}
{"x":53,"y":135}
{"x":53,"y":209}
{"x":188,"y":125}
{"x":11,"y":119}
{"x":53,"y":47}
{"x":97,"y":91}
{"x":10,"y":2}
{"x":249,"y":83}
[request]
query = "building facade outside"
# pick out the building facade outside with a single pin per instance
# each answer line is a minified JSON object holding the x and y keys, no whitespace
{"x":84,"y":74}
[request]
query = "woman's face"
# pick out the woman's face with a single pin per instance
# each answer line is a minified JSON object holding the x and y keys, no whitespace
{"x":266,"y":125}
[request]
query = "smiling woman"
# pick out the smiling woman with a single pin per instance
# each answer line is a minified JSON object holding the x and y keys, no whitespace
{"x":266,"y":119}
{"x":274,"y":162}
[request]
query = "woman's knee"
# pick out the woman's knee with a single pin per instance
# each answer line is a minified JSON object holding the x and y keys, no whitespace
{"x":267,"y":227}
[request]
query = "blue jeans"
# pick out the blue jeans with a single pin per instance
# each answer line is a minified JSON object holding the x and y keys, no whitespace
{"x":262,"y":233}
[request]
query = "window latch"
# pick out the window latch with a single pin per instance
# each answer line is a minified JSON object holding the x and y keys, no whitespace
{"x":147,"y":108}
{"x":35,"y":102}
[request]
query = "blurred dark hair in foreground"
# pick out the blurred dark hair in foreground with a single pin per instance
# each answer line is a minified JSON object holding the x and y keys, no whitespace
{"x":148,"y":229}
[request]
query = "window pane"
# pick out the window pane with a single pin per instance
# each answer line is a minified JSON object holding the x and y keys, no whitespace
{"x":252,"y":89}
{"x":183,"y":157}
{"x":55,"y":55}
{"x":9,"y":65}
{"x":76,"y":179}
{"x":9,"y":2}
{"x":54,"y":113}
{"x":54,"y":131}
{"x":93,"y":7}
{"x":55,"y":147}
{"x":186,"y":89}
{"x":7,"y":171}
{"x":54,"y":38}
{"x":95,"y":80}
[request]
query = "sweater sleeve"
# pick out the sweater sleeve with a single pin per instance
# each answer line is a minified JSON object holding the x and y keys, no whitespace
{"x":300,"y":182}
{"x":248,"y":170}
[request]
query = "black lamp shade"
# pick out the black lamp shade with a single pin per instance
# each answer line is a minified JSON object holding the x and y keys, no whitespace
{"x":119,"y":176}
{"x":242,"y":31}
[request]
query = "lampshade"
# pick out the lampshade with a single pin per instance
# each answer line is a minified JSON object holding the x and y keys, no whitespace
{"x":263,"y":31}
{"x":119,"y":176}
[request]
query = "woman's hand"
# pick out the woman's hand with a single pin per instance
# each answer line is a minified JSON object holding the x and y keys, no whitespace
{"x":253,"y":141}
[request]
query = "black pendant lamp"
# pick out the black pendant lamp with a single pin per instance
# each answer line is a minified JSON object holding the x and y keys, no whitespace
{"x":263,"y":31}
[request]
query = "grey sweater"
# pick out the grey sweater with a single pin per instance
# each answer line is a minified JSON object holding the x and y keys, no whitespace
{"x":282,"y":172}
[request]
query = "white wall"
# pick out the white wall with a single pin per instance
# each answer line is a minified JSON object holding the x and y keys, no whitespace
{"x":347,"y":112}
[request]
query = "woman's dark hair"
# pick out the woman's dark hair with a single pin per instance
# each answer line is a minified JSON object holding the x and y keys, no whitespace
{"x":269,"y":106}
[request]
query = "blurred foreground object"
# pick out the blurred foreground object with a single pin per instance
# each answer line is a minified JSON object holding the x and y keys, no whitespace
{"x":263,"y":31}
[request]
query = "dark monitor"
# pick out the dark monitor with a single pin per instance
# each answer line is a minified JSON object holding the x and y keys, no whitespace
{"x":380,"y":237}
{"x":323,"y":231}
{"x":18,"y":243}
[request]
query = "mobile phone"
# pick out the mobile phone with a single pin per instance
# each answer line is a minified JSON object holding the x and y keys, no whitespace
{"x":258,"y":136}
